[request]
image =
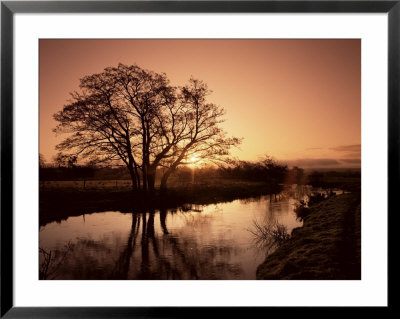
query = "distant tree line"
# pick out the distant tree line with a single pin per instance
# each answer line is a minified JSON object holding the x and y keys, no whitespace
{"x":347,"y":180}
{"x":263,"y":170}
{"x":266,"y":170}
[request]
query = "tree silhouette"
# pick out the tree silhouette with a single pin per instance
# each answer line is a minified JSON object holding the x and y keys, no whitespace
{"x":131,"y":115}
{"x":199,"y":134}
{"x":42,"y":161}
{"x":64,"y":160}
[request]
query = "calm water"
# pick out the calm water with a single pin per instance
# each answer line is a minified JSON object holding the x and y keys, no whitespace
{"x":197,"y":242}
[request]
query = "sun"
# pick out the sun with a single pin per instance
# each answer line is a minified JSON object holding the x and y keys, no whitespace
{"x":193,"y":161}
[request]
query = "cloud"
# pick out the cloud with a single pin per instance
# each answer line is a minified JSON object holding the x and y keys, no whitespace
{"x":339,"y":156}
{"x":313,"y":162}
{"x":351,"y":160}
{"x":348,"y":150}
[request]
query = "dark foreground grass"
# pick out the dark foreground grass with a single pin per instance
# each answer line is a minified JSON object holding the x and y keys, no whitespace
{"x":328,"y":246}
{"x":58,"y":204}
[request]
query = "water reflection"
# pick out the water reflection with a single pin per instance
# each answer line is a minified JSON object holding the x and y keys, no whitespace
{"x":51,"y":261}
{"x":196,"y":242}
{"x":268,"y":234}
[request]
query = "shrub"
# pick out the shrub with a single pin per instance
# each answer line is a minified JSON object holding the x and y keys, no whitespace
{"x":301,"y":210}
{"x":315,"y":198}
{"x":269,"y":235}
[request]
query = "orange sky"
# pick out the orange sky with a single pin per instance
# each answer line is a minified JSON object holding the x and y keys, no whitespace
{"x":297,"y":100}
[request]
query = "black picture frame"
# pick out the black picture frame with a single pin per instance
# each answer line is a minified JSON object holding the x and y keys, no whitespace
{"x":9,"y":8}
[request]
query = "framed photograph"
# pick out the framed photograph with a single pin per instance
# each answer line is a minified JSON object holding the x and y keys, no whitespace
{"x":175,"y":158}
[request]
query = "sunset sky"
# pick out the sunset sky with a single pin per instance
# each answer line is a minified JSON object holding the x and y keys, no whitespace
{"x":296,"y":100}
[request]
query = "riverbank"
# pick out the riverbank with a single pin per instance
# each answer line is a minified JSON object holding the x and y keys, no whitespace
{"x":328,"y":246}
{"x":59,"y":204}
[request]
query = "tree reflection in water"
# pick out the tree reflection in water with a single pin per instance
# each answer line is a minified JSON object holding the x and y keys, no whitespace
{"x":195,"y":242}
{"x":148,"y":254}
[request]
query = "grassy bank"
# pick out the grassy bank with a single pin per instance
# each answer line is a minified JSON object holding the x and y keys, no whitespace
{"x":328,"y":246}
{"x":56,"y":204}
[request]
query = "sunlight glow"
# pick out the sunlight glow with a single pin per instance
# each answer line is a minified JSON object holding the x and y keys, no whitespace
{"x":194,"y":161}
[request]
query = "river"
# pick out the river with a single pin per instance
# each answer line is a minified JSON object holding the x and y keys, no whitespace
{"x":193,"y":242}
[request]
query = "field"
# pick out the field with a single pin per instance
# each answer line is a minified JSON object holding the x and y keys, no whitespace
{"x":125,"y":184}
{"x":86,"y":185}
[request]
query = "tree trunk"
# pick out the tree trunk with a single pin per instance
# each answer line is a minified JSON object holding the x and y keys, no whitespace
{"x":145,"y":177}
{"x":164,"y":179}
{"x":136,"y":171}
{"x":133,"y":178}
{"x":151,"y":177}
{"x":145,"y":157}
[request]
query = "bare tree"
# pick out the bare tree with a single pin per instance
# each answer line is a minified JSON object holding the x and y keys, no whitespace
{"x":110,"y":119}
{"x":200,"y":134}
{"x":135,"y":116}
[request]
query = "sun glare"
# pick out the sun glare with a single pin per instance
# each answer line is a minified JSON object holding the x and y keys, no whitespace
{"x":194,"y":161}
